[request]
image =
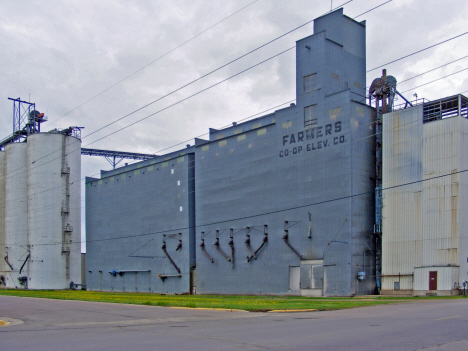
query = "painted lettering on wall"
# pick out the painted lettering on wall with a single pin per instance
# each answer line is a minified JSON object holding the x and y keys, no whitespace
{"x":307,"y":140}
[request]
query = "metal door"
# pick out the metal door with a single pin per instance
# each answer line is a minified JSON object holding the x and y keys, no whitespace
{"x":433,"y":280}
{"x":294,"y":278}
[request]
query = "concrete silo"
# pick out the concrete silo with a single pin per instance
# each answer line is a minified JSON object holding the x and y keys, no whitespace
{"x":16,"y":214}
{"x":53,"y":210}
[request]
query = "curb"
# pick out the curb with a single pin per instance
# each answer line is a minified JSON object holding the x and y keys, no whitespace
{"x":284,"y":311}
{"x":208,"y":309}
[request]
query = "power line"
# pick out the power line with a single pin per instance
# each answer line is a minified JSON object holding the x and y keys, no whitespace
{"x":353,"y":141}
{"x":78,"y":180}
{"x":421,"y":74}
{"x":180,"y":101}
{"x":435,"y":80}
{"x":218,"y":82}
{"x":248,"y":69}
{"x":205,"y":75}
{"x":241,"y":72}
{"x":155,"y":60}
{"x":270,"y":212}
{"x":403,"y":81}
{"x":284,"y":163}
{"x":434,"y":69}
{"x":422,"y":50}
{"x":190,"y":96}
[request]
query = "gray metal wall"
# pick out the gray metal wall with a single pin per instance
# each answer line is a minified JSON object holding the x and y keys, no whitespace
{"x":251,"y":182}
{"x":264,"y":172}
{"x":129,"y":213}
{"x":276,"y":169}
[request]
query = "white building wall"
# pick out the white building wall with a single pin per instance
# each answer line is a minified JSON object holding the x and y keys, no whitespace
{"x":441,"y":155}
{"x":53,"y":203}
{"x":421,"y":221}
{"x":16,"y":212}
{"x":402,"y":210}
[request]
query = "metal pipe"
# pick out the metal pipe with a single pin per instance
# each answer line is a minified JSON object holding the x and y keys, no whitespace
{"x":179,"y":246}
{"x":216,"y":244}
{"x":286,"y":237}
{"x":247,"y":243}
{"x":26,"y":260}
{"x":231,"y":244}
{"x":8,"y":263}
{"x":406,"y":100}
{"x":202,"y":247}
{"x":164,"y":276}
{"x":169,"y":257}
{"x":265,"y":239}
{"x":133,"y":270}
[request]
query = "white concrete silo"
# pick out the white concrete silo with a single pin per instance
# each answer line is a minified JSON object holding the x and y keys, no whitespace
{"x":16,"y":214}
{"x":54,"y":210}
{"x":2,"y":218}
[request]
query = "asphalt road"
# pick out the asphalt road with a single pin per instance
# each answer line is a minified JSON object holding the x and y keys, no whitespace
{"x":40,"y":324}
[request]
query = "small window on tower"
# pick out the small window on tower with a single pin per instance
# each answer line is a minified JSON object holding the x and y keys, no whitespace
{"x":310,"y":116}
{"x":310,"y":82}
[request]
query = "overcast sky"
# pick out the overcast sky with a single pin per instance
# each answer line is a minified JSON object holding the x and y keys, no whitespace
{"x":60,"y":54}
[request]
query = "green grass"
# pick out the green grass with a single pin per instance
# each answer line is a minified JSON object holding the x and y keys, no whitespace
{"x":249,"y":303}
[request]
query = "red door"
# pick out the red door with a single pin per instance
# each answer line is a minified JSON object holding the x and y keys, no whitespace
{"x":433,"y":280}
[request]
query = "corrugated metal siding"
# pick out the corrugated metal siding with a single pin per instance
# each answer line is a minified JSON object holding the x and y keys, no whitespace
{"x":463,"y":203}
{"x":402,"y":224}
{"x":440,"y":195}
{"x":420,"y":220}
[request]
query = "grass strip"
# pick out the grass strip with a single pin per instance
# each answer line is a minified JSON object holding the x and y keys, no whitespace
{"x":231,"y":302}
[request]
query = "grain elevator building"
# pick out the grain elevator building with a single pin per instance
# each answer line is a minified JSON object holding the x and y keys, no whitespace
{"x":282,"y":204}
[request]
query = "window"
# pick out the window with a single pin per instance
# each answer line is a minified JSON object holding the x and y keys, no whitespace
{"x":310,"y":82}
{"x":310,"y":116}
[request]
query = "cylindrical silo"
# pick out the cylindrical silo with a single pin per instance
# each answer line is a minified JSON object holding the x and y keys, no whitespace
{"x":16,"y":215}
{"x":54,"y":210}
{"x":2,"y":218}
